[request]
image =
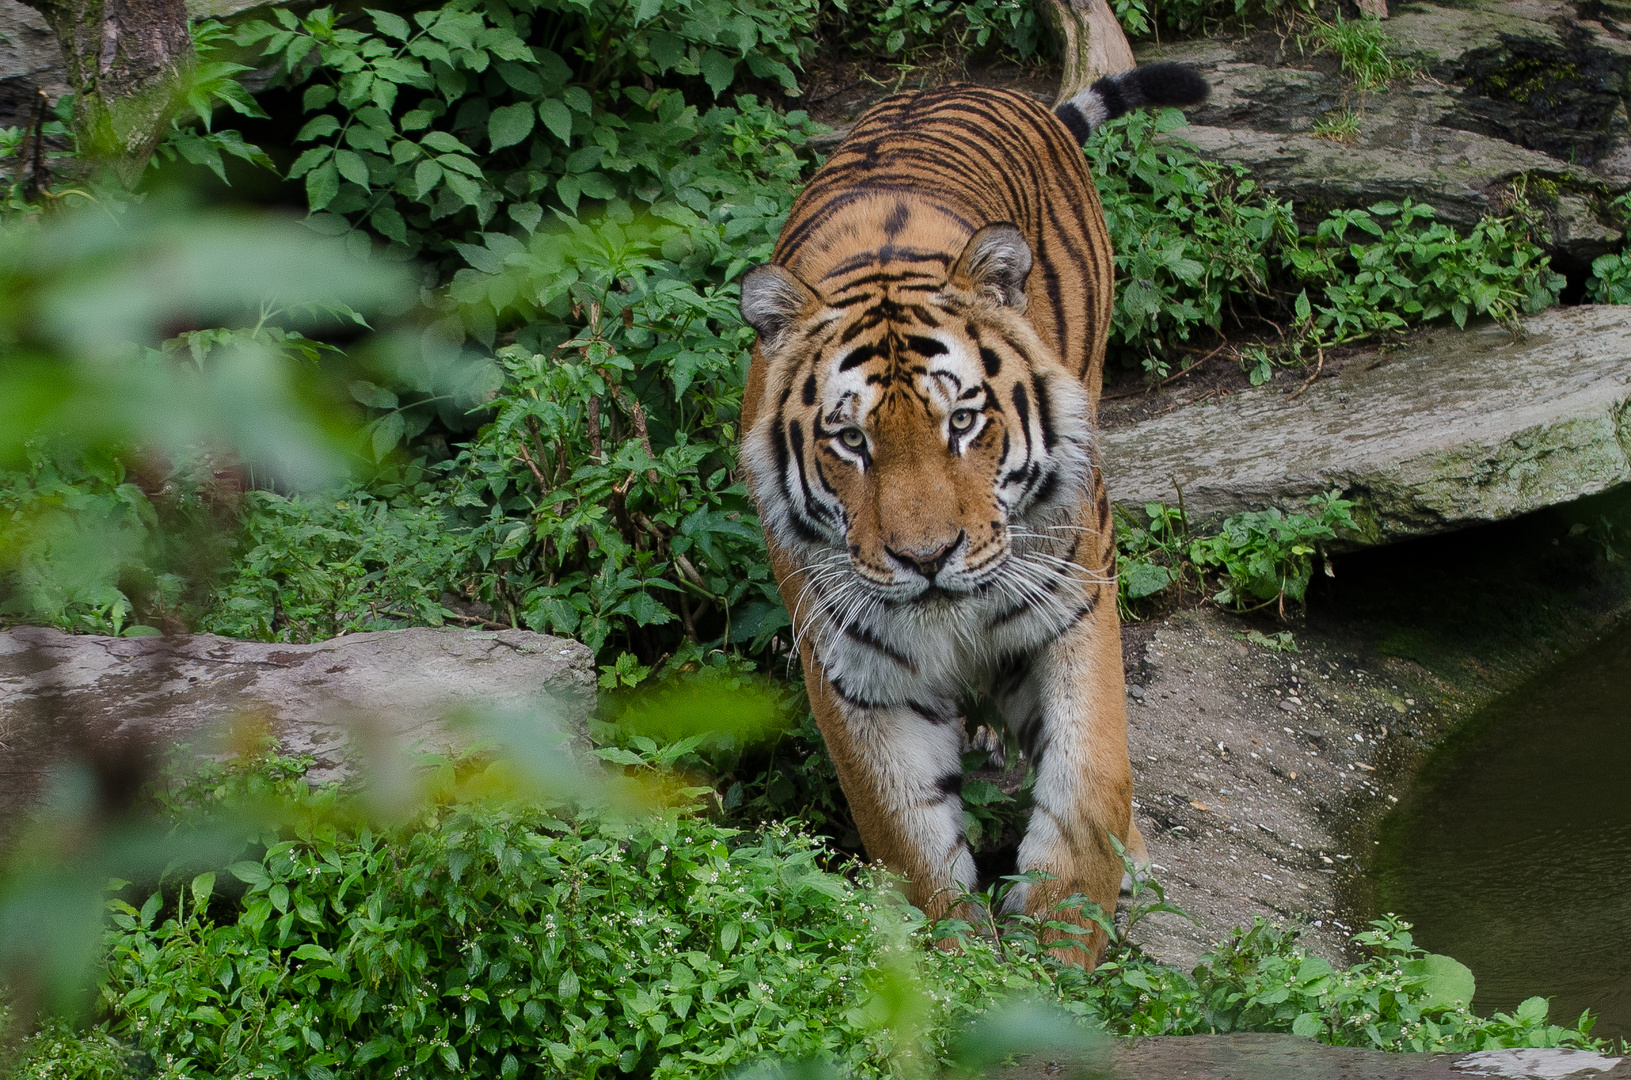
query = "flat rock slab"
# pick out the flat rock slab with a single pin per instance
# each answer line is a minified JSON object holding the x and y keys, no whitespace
{"x":1430,"y":136}
{"x":1287,"y":1057}
{"x":1450,"y":429}
{"x":401,"y":683}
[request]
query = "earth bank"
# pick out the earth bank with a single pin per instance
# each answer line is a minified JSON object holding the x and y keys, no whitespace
{"x":1261,"y":774}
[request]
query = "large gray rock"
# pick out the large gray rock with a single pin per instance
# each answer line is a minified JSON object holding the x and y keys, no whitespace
{"x":31,"y":60}
{"x":1479,"y":119}
{"x":1286,"y":1057}
{"x":57,"y":689}
{"x":1451,"y":429}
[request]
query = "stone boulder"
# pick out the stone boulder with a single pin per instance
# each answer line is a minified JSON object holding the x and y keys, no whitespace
{"x":31,"y":61}
{"x":1449,"y":429}
{"x":1505,"y":94}
{"x":57,"y":689}
{"x":1286,"y":1057}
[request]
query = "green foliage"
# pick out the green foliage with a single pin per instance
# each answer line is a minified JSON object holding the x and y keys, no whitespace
{"x":425,"y":131}
{"x":311,"y":567}
{"x":494,"y":939}
{"x":911,"y":28}
{"x":1266,"y":557}
{"x":94,"y":533}
{"x":1254,"y":559}
{"x":1610,"y":281}
{"x":1141,"y":17}
{"x":1196,"y":241}
{"x":1261,"y":978}
{"x":83,"y":547}
{"x":497,"y":937}
{"x":1416,"y":269}
{"x":1363,"y":48}
{"x":213,"y":81}
{"x":1190,"y":236}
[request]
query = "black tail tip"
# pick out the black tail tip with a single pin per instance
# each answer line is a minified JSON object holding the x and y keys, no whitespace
{"x":1166,"y":85}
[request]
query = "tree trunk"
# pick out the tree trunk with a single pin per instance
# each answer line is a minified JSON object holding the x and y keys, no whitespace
{"x":128,"y":63}
{"x":1091,"y":42}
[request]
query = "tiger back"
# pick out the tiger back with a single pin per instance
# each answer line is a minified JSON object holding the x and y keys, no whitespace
{"x":919,"y":438}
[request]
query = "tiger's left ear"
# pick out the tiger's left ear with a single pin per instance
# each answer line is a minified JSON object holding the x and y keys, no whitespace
{"x":996,"y":260}
{"x":773,"y":299}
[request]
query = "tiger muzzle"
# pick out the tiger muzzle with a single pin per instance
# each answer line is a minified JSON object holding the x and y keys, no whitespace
{"x":927,"y":560}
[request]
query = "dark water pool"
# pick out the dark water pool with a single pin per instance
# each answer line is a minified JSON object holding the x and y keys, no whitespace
{"x":1514,"y":852}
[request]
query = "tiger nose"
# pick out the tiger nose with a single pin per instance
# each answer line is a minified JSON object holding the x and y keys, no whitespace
{"x":927,"y":563}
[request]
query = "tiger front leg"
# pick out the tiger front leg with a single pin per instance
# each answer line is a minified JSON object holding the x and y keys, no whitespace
{"x":1084,"y":785}
{"x":902,"y":775}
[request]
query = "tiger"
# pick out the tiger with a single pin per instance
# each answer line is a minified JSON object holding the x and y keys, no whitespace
{"x":918,"y":434}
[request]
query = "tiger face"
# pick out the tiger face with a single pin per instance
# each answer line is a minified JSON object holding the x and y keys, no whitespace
{"x":917,"y":432}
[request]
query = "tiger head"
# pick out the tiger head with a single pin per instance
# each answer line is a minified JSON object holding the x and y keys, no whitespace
{"x":914,"y":430}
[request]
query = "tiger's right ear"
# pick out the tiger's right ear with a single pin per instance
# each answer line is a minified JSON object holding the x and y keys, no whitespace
{"x":773,"y":299}
{"x":996,"y":261}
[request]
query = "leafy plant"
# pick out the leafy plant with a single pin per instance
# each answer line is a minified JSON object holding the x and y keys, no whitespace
{"x":1190,"y":236}
{"x":500,"y":937}
{"x":1254,"y":559}
{"x":1266,"y":557}
{"x":1415,"y":270}
{"x":1197,"y":16}
{"x":1610,"y":281}
{"x":427,"y":129}
{"x":910,"y":28}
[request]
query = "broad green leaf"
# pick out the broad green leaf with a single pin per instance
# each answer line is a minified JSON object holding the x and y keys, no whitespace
{"x":317,"y":127}
{"x":444,"y":143}
{"x":717,"y":70}
{"x":426,"y":176}
{"x":557,"y":118}
{"x":375,"y":397}
{"x":388,"y":431}
{"x":351,"y":166}
{"x":390,"y":25}
{"x":509,"y":124}
{"x":1446,"y":982}
{"x":322,"y":184}
{"x":203,"y":888}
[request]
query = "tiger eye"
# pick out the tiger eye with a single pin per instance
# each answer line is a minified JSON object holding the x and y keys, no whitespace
{"x":853,"y":438}
{"x":962,"y":419}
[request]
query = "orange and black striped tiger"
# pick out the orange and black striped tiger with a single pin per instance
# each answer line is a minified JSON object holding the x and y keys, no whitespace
{"x":919,"y":437}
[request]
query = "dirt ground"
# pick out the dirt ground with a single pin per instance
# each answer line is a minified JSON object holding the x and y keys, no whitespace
{"x":1261,"y":775}
{"x":1252,"y":767}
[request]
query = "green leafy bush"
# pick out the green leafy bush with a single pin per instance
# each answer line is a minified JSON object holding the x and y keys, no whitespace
{"x":1197,"y":242}
{"x":426,"y":130}
{"x":489,"y":940}
{"x":508,"y":938}
{"x":1415,"y":270}
{"x":911,"y":28}
{"x":1610,"y":281}
{"x":1141,"y":17}
{"x":1190,"y":236}
{"x":79,"y":544}
{"x":1255,"y":559}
